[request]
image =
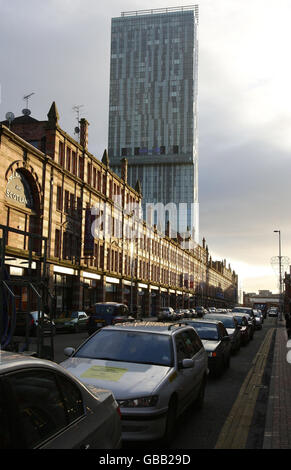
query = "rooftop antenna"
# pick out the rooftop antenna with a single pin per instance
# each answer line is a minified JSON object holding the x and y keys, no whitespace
{"x":77,"y":108}
{"x":27,"y":111}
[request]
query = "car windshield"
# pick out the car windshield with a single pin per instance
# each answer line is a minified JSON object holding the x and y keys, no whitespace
{"x":240,"y":320}
{"x":205,"y":330}
{"x":241,"y":310}
{"x":129,"y":346}
{"x":228,"y":322}
{"x":41,"y":314}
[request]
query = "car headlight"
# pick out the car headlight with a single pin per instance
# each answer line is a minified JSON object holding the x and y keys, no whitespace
{"x":143,"y":402}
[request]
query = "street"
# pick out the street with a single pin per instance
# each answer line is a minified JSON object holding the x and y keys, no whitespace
{"x":201,"y":429}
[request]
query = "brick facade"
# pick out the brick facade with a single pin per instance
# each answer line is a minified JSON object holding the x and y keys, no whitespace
{"x":50,"y":185}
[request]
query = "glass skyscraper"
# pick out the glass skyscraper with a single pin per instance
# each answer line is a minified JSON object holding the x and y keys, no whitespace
{"x":153,"y":107}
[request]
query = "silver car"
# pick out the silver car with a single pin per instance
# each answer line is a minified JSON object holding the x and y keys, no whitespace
{"x":155,"y":370}
{"x":43,"y":406}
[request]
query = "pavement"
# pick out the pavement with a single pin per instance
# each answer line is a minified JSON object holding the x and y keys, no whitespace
{"x":277,"y":433}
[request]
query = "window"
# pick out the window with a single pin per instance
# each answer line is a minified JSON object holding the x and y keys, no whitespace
{"x":72,"y":397}
{"x":57,"y":243}
{"x":61,"y":153}
{"x":124,"y":152}
{"x":67,"y":198}
{"x":39,"y":403}
{"x":175,"y":149}
{"x":81,"y":167}
{"x":193,"y":342}
{"x":89,"y":172}
{"x":74,"y":163}
{"x":68,"y":159}
{"x":59,"y":198}
{"x":162,"y":150}
{"x":136,"y":151}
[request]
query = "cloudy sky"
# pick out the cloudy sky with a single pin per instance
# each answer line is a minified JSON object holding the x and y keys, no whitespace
{"x":60,"y":50}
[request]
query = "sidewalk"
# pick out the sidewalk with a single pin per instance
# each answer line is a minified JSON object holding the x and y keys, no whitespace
{"x":278,"y":420}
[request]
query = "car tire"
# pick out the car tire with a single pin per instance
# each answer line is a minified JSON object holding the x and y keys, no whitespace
{"x":170,"y":422}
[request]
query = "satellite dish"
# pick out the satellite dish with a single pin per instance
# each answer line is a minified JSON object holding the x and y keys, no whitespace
{"x":26,"y":112}
{"x":77,"y":130}
{"x":10,"y":117}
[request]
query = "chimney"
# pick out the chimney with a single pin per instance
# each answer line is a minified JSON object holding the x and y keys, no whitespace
{"x":84,"y":124}
{"x":124,"y":168}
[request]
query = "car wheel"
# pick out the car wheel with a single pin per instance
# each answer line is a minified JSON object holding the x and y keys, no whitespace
{"x":171,"y":422}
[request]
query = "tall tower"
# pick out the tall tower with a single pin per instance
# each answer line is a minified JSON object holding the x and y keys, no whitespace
{"x":153,"y":107}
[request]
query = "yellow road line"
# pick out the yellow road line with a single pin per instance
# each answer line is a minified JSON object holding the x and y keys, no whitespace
{"x":235,"y":431}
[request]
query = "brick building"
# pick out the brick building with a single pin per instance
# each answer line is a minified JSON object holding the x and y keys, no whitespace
{"x":50,"y":183}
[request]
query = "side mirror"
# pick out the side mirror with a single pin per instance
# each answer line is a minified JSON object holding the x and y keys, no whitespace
{"x":187,"y":364}
{"x":69,"y":351}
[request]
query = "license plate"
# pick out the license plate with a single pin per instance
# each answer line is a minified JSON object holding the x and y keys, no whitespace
{"x":99,"y":324}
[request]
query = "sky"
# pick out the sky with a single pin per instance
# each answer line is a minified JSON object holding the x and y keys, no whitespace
{"x":60,"y":51}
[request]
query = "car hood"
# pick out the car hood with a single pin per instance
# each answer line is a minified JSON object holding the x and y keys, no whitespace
{"x":210,"y":344}
{"x":125,"y":379}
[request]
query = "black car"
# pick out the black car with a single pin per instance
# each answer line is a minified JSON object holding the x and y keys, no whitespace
{"x":107,"y":313}
{"x":27,"y":323}
{"x":200,"y":311}
{"x":245,"y":328}
{"x":216,"y":342}
{"x":232,"y":328}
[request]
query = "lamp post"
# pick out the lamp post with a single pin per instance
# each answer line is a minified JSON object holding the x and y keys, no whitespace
{"x":131,"y":274}
{"x":280,"y":275}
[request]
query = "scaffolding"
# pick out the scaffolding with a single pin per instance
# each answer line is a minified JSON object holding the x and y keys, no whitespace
{"x":32,"y":279}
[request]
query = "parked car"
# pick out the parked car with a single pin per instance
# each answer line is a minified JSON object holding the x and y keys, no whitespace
{"x":166,"y":314}
{"x":245,"y":328}
{"x":259,"y":319}
{"x":250,"y":316}
{"x":29,"y":320}
{"x":200,"y":311}
{"x":43,"y":406}
{"x":232,"y":328}
{"x":76,"y":322}
{"x":155,"y":370}
{"x":273,"y":312}
{"x":107,"y":313}
{"x":217,"y":343}
{"x":179,"y":314}
{"x":193,"y":313}
{"x":187,"y":313}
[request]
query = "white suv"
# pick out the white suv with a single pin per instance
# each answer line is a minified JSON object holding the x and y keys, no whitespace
{"x":155,"y":371}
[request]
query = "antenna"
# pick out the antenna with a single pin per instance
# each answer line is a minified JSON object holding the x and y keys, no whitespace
{"x":27,"y":111}
{"x":77,"y":108}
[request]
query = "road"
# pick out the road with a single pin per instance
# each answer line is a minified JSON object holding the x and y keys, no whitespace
{"x":202,"y":429}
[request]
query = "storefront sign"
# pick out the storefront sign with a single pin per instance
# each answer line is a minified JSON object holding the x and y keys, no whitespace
{"x":18,"y":190}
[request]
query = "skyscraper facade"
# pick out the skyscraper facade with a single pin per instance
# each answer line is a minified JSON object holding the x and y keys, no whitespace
{"x":153,"y":108}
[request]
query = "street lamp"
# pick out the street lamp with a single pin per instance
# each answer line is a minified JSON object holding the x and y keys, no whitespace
{"x":280,"y":275}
